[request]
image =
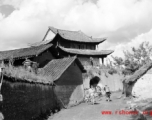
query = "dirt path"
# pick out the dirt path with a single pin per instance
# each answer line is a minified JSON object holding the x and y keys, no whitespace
{"x":93,"y":112}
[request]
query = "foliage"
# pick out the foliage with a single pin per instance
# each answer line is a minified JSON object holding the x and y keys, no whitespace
{"x":112,"y":71}
{"x":135,"y":58}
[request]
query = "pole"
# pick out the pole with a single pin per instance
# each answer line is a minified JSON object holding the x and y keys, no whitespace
{"x":1,"y":81}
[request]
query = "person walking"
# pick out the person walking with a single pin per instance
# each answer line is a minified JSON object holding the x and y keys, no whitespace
{"x":108,"y":93}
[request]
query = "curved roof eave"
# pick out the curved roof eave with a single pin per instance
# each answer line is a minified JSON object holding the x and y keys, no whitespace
{"x":86,"y":52}
{"x":76,"y":36}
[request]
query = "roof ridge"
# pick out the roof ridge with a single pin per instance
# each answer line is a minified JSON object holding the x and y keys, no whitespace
{"x":65,"y":30}
{"x":79,"y":31}
{"x":24,"y":52}
{"x":65,"y":58}
{"x":78,"y":36}
{"x":25,"y":48}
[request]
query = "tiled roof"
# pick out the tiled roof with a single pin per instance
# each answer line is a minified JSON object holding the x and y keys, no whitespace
{"x":86,"y":52}
{"x":77,"y":36}
{"x":40,"y":43}
{"x":139,"y":73}
{"x":23,"y":52}
{"x":56,"y":67}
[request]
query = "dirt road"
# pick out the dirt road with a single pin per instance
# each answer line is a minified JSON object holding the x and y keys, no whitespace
{"x":94,"y":112}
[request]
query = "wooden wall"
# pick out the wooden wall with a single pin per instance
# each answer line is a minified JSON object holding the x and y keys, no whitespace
{"x":72,"y":44}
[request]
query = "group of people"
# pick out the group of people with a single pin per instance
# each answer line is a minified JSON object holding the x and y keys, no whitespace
{"x":98,"y":90}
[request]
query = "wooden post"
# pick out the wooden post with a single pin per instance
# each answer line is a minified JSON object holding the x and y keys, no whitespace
{"x":102,"y":60}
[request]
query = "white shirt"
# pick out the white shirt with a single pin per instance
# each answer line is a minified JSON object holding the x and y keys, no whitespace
{"x":107,"y":89}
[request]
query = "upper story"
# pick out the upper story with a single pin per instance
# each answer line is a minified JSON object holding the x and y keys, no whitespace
{"x":72,"y":39}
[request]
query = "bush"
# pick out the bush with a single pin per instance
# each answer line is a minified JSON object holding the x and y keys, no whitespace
{"x":112,"y":71}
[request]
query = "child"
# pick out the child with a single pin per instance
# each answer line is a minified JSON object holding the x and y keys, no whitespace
{"x":108,"y":93}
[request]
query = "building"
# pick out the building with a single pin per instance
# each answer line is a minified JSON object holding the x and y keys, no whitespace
{"x":67,"y":76}
{"x":40,"y":54}
{"x":71,"y":43}
{"x":66,"y":72}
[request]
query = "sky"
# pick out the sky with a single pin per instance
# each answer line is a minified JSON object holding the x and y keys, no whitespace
{"x":125,"y":23}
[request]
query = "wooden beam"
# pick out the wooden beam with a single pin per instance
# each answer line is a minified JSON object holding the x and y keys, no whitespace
{"x":46,"y":34}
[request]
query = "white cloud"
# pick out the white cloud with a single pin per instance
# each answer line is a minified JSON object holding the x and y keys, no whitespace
{"x":133,"y":43}
{"x":1,"y":17}
{"x":119,"y":20}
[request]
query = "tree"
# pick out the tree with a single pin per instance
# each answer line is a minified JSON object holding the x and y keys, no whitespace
{"x":118,"y":61}
{"x":136,"y":58}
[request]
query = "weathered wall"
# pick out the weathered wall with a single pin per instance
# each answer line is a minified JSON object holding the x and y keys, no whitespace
{"x":23,"y":101}
{"x":70,"y":86}
{"x":113,"y":81}
{"x":44,"y":58}
{"x":86,"y":60}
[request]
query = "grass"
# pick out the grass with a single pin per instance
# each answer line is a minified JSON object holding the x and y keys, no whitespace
{"x":97,"y":71}
{"x":19,"y":73}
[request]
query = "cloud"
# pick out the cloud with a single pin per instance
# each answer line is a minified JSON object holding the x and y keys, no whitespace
{"x":133,"y":43}
{"x":1,"y":16}
{"x":119,"y":20}
{"x":6,"y":10}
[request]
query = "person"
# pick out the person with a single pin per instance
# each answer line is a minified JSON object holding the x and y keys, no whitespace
{"x":27,"y":64}
{"x":91,"y":61}
{"x":90,"y":95}
{"x":99,"y":89}
{"x":108,"y":93}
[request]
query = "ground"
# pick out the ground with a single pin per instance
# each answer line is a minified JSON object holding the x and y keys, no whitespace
{"x":86,"y":111}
